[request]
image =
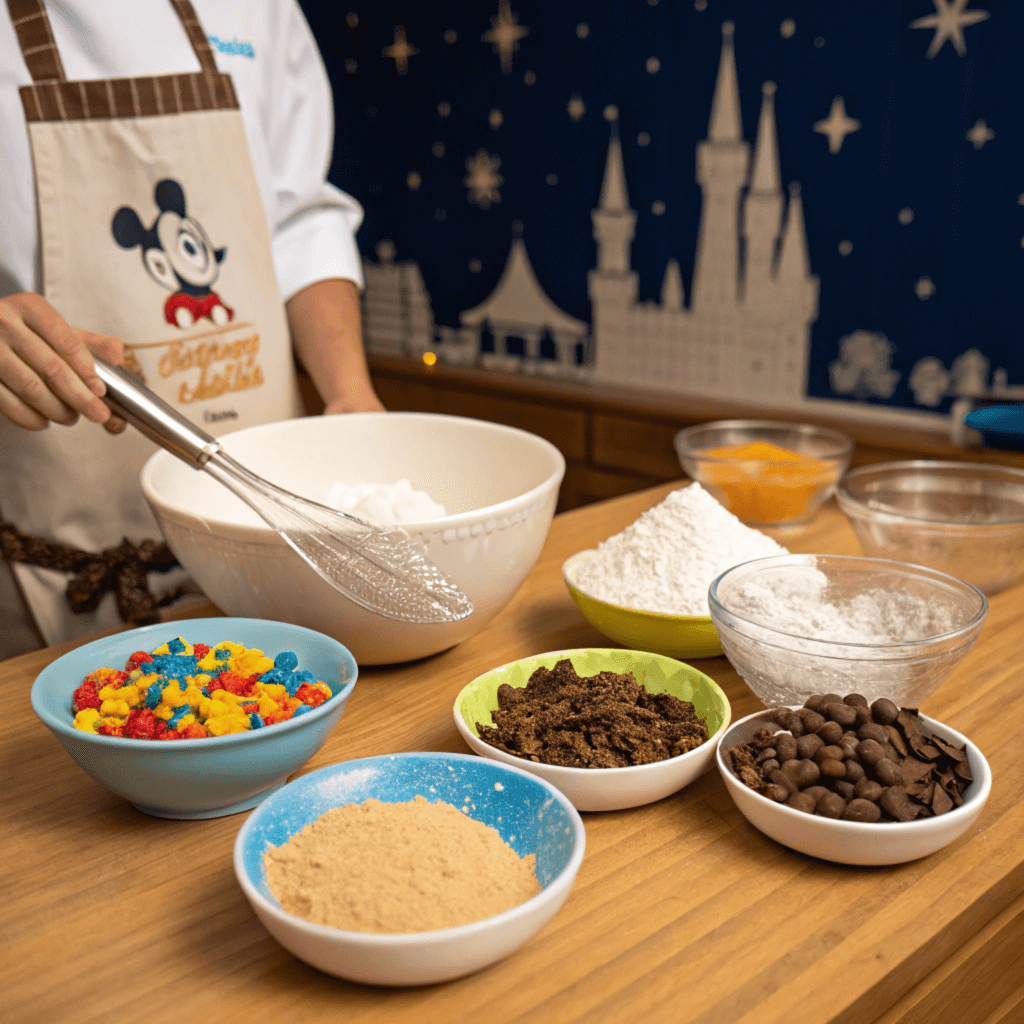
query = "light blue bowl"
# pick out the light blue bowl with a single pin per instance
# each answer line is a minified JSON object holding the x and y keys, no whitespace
{"x":530,"y":815}
{"x":204,"y":778}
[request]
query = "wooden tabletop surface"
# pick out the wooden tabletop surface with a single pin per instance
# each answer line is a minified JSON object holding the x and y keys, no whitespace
{"x":681,"y":912}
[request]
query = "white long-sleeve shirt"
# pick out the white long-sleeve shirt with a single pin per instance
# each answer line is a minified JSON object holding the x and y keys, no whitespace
{"x":282,"y":87}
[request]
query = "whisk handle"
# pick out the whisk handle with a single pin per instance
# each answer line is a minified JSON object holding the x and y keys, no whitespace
{"x":128,"y":398}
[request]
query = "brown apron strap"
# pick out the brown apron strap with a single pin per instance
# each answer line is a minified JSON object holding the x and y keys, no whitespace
{"x":35,"y":37}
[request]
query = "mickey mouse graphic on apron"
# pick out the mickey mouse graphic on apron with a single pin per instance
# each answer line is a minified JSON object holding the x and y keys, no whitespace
{"x":151,"y":228}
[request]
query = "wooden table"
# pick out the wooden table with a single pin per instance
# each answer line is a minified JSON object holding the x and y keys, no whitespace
{"x":682,"y":912}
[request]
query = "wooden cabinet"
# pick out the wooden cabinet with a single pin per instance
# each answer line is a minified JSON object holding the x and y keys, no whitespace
{"x":617,"y":440}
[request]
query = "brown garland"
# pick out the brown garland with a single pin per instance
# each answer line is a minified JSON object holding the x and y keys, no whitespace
{"x":122,"y":570}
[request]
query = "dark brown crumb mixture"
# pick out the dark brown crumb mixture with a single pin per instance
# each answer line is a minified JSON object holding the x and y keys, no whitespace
{"x":602,"y":721}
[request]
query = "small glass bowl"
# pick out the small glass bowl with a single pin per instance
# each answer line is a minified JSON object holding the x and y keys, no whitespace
{"x":786,"y":664}
{"x":765,"y":491}
{"x":962,"y":518}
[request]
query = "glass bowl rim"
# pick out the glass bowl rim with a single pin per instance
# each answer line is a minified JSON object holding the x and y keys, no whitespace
{"x":721,"y":611}
{"x":683,"y":438}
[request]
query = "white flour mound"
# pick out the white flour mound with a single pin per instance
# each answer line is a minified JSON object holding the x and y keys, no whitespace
{"x":384,"y":504}
{"x":667,"y":559}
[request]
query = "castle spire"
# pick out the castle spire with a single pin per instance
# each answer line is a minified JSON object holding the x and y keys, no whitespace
{"x":614,"y":197}
{"x":764,"y":174}
{"x":672,"y":287}
{"x":794,"y":263}
{"x":726,"y":124}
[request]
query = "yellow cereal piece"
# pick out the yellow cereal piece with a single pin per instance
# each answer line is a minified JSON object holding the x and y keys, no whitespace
{"x":173,"y":695}
{"x":227,"y":724}
{"x":131,"y":695}
{"x":185,"y":721}
{"x":210,"y":662}
{"x":266,"y":704}
{"x":144,"y":682}
{"x":87,"y":719}
{"x":252,"y":662}
{"x":118,"y":708}
{"x":164,"y":711}
{"x":200,"y":679}
{"x":109,"y":692}
{"x":112,"y":721}
{"x":273,"y":690}
{"x":193,"y":694}
{"x":221,"y":709}
{"x":101,"y":675}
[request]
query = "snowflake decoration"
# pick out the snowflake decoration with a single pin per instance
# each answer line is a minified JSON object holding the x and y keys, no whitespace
{"x":483,"y":179}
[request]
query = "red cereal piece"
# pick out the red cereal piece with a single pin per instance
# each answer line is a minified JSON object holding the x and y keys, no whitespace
{"x":86,"y":697}
{"x":141,"y":724}
{"x":138,"y":658}
{"x":250,"y":709}
{"x":234,"y":682}
{"x":195,"y":731}
{"x":309,"y":694}
{"x":200,"y":651}
{"x":285,"y":710}
{"x":110,"y":730}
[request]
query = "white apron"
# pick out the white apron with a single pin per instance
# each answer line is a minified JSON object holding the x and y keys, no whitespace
{"x":151,"y":228}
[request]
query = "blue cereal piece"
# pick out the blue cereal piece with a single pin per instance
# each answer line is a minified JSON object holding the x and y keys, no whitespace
{"x":287,"y":661}
{"x":222,"y":654}
{"x":174,"y":666}
{"x":301,"y":710}
{"x":175,"y":646}
{"x":256,"y":720}
{"x":154,"y":693}
{"x":179,"y":714}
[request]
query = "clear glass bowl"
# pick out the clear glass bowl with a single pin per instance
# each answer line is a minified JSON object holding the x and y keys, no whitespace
{"x":760,"y":490}
{"x":795,"y":625}
{"x":963,"y":518}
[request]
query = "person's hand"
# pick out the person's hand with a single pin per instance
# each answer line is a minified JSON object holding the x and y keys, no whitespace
{"x":47,"y":374}
{"x":357,"y":400}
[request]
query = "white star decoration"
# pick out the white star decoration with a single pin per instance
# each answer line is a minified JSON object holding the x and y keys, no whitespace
{"x":401,"y":50}
{"x":979,"y":134}
{"x":949,"y":21}
{"x":925,"y":288}
{"x":505,"y":34}
{"x":483,"y":180}
{"x":837,"y":125}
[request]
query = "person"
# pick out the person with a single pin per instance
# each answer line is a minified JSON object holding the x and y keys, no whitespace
{"x":164,"y":206}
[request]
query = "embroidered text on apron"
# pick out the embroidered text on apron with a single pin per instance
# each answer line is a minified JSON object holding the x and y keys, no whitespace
{"x":151,"y":228}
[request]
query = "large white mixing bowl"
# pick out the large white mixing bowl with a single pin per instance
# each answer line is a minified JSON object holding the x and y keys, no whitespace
{"x":498,"y":484}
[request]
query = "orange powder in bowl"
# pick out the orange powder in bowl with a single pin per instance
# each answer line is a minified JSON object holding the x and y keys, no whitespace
{"x":764,"y":483}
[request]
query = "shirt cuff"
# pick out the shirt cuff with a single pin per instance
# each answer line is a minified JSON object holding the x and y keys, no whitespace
{"x":317,"y":245}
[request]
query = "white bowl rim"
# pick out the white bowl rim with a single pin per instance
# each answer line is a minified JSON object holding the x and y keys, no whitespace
{"x":845,"y":442}
{"x":437,"y":935}
{"x":803,"y":561}
{"x":269,"y":535}
{"x":907,"y":828}
{"x":926,"y":467}
{"x":567,"y":771}
{"x":54,"y":722}
{"x":570,"y":564}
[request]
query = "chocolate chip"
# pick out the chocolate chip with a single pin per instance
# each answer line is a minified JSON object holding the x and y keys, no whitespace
{"x":884,"y":711}
{"x":828,"y":752}
{"x":854,"y":770}
{"x":802,"y":802}
{"x":841,"y":713}
{"x":811,"y":719}
{"x":855,"y":700}
{"x":873,"y":731}
{"x":867,"y":789}
{"x":777,"y":793}
{"x":809,"y":745}
{"x":869,"y":751}
{"x":862,"y":810}
{"x":844,"y":788}
{"x":802,"y":773}
{"x":831,"y":805}
{"x":831,"y":732}
{"x":887,"y":773}
{"x":833,"y":768}
{"x":785,"y":747}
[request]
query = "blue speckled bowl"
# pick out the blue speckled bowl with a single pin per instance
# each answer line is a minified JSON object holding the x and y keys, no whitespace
{"x":531,"y":816}
{"x":197,"y":778}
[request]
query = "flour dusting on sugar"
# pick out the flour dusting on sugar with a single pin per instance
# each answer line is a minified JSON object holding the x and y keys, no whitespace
{"x":667,"y":559}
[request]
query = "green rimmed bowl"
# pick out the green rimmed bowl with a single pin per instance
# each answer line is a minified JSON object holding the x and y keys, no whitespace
{"x":604,"y":789}
{"x":675,"y":636}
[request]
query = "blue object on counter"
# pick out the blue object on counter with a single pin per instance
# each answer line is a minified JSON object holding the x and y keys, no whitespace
{"x":1001,"y":426}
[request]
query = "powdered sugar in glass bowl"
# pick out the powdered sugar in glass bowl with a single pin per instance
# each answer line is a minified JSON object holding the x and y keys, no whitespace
{"x":795,"y":625}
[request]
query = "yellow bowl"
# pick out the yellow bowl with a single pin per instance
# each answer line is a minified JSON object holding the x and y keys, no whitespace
{"x":674,"y":636}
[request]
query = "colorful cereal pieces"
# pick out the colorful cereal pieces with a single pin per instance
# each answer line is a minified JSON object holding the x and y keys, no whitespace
{"x":185,"y":691}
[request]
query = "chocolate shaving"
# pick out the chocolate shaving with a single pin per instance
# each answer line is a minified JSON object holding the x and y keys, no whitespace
{"x":896,"y":740}
{"x":949,"y":750}
{"x":963,"y":769}
{"x":941,"y":802}
{"x":122,"y":570}
{"x":912,"y":770}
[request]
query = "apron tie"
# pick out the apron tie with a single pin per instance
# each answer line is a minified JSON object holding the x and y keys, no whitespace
{"x":121,"y":569}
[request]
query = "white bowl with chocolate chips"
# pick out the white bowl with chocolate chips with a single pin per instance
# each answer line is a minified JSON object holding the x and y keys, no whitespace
{"x":854,"y":783}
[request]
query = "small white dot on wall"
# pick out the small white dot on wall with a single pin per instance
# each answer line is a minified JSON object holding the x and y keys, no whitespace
{"x":582,"y":30}
{"x":451,"y":36}
{"x":530,"y":78}
{"x":552,"y":179}
{"x":438,"y":150}
{"x":653,"y":65}
{"x":700,"y":5}
{"x":819,"y":42}
{"x":657,"y":207}
{"x":906,"y":215}
{"x":643,"y":139}
{"x":444,"y":109}
{"x":787,"y":28}
{"x":413,"y":180}
{"x":611,"y":112}
{"x":495,"y":119}
{"x":440,"y":214}
{"x":845,"y":247}
{"x":351,"y":19}
{"x":351,"y":67}
{"x":475,"y":266}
